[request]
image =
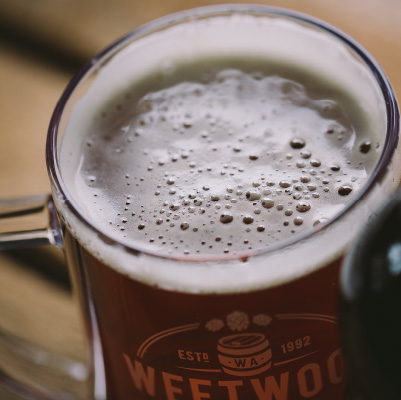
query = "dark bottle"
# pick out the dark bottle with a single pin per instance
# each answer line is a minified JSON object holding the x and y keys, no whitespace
{"x":370,"y":307}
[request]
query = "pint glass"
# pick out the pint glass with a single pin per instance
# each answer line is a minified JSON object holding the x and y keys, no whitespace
{"x":257,"y":324}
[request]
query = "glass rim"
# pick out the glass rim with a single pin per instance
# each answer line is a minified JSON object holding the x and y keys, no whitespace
{"x":389,"y":147}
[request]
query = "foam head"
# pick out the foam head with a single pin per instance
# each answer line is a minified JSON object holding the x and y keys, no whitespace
{"x":225,"y":134}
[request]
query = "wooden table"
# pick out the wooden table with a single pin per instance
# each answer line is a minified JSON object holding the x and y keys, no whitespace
{"x":42,"y":44}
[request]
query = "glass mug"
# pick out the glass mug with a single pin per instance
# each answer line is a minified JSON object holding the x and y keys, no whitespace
{"x":253,"y":325}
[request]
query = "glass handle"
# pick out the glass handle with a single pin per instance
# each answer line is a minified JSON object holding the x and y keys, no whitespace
{"x":28,"y":369}
{"x":28,"y":221}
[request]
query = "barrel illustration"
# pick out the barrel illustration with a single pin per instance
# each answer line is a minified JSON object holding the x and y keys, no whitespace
{"x":244,"y":354}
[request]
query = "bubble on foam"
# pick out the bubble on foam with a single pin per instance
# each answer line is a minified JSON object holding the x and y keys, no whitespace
{"x":345,"y":190}
{"x":298,"y":221}
{"x":303,"y":206}
{"x":253,"y":195}
{"x":315,"y":163}
{"x":184,"y":226}
{"x":297,"y":143}
{"x":226,"y":218}
{"x":285,"y":184}
{"x":248,"y":219}
{"x":267,"y":202}
{"x":305,"y":154}
{"x":365,"y":146}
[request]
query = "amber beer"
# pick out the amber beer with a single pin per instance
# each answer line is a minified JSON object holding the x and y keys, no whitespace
{"x":210,"y":171}
{"x":163,"y":344}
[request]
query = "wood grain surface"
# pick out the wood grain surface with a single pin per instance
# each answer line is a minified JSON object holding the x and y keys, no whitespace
{"x":42,"y":44}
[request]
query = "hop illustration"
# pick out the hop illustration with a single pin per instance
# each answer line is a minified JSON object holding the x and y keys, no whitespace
{"x":238,"y":321}
{"x":214,"y":325}
{"x":262,"y":320}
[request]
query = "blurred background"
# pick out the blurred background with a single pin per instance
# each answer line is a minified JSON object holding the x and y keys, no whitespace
{"x":43,"y":43}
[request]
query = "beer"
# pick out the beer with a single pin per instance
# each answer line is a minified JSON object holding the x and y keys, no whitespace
{"x":254,"y":345}
{"x":213,"y":169}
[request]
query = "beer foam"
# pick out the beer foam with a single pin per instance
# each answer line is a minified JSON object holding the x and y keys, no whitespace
{"x":204,"y":139}
{"x":233,"y":162}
